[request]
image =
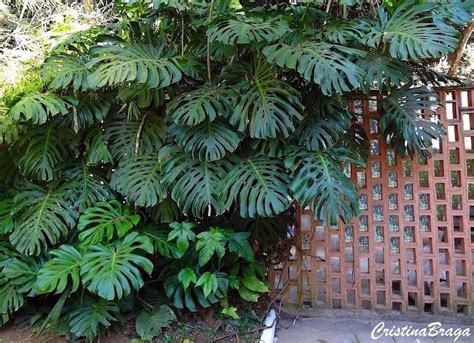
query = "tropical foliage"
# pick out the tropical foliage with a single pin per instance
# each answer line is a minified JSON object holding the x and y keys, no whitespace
{"x":155,"y":160}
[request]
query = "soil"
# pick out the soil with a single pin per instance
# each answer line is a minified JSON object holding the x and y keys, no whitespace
{"x":190,"y":328}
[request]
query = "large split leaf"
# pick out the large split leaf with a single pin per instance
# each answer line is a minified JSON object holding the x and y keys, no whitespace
{"x":112,"y":271}
{"x":328,"y":65}
{"x":61,"y":71}
{"x":46,"y":149}
{"x":61,"y":270}
{"x":150,"y":322}
{"x":196,"y":106}
{"x":90,"y":187}
{"x":410,"y":33}
{"x":208,"y":141}
{"x":247,"y":30}
{"x":105,"y":221}
{"x":193,"y":182}
{"x":116,"y":64}
{"x":407,"y":121}
{"x":89,"y":317}
{"x":39,"y":108}
{"x":127,"y":138}
{"x":258,"y":186}
{"x":139,"y":180}
{"x":324,"y":124}
{"x":319,"y":181}
{"x":42,"y":217}
{"x":267,"y":106}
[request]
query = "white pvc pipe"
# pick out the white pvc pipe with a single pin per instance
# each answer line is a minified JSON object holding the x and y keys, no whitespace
{"x":268,"y":334}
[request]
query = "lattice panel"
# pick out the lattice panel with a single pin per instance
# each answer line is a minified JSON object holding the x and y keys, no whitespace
{"x":412,"y":247}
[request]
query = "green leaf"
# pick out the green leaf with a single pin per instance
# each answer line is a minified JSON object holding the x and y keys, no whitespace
{"x":61,"y":71}
{"x":105,"y":221}
{"x":135,"y":137}
{"x":56,"y":273}
{"x":159,"y":238}
{"x":46,"y":149}
{"x":38,"y":108}
{"x":208,"y":141}
{"x":259,"y":186}
{"x":97,"y":150}
{"x":7,"y":221}
{"x":186,"y":276}
{"x":248,"y":295}
{"x":90,"y":316}
{"x":324,"y":125}
{"x":116,"y":64}
{"x":247,"y":30}
{"x":90,"y":188}
{"x":21,"y":272}
{"x":166,"y":211}
{"x":382,"y":70}
{"x":42,"y":217}
{"x":92,"y":108}
{"x":239,"y":243}
{"x":209,"y":243}
{"x":230,"y":312}
{"x":11,"y":299}
{"x":194,"y":107}
{"x":267,"y":106}
{"x":149,"y":323}
{"x":402,"y":122}
{"x":345,"y":31}
{"x":327,"y":65}
{"x":112,"y":271}
{"x":183,"y":234}
{"x":208,"y":281}
{"x":251,"y":282}
{"x":193,"y":182}
{"x":410,"y":33}
{"x":139,"y":180}
{"x":319,"y":181}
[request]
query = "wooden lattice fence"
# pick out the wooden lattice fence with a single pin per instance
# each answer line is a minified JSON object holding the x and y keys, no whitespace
{"x":412,"y":247}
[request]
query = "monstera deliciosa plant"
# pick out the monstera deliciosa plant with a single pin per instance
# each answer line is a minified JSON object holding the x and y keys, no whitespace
{"x":157,"y":154}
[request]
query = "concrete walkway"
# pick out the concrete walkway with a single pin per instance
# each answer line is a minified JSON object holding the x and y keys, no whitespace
{"x":348,"y":329}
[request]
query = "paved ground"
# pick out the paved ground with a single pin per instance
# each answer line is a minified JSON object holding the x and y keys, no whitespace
{"x":357,"y":328}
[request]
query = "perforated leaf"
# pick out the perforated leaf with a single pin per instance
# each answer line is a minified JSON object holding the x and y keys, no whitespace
{"x":150,"y":322}
{"x":90,"y":187}
{"x":319,"y":181}
{"x":90,"y":316}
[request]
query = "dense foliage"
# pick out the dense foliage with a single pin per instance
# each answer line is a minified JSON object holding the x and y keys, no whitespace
{"x":156,"y":159}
